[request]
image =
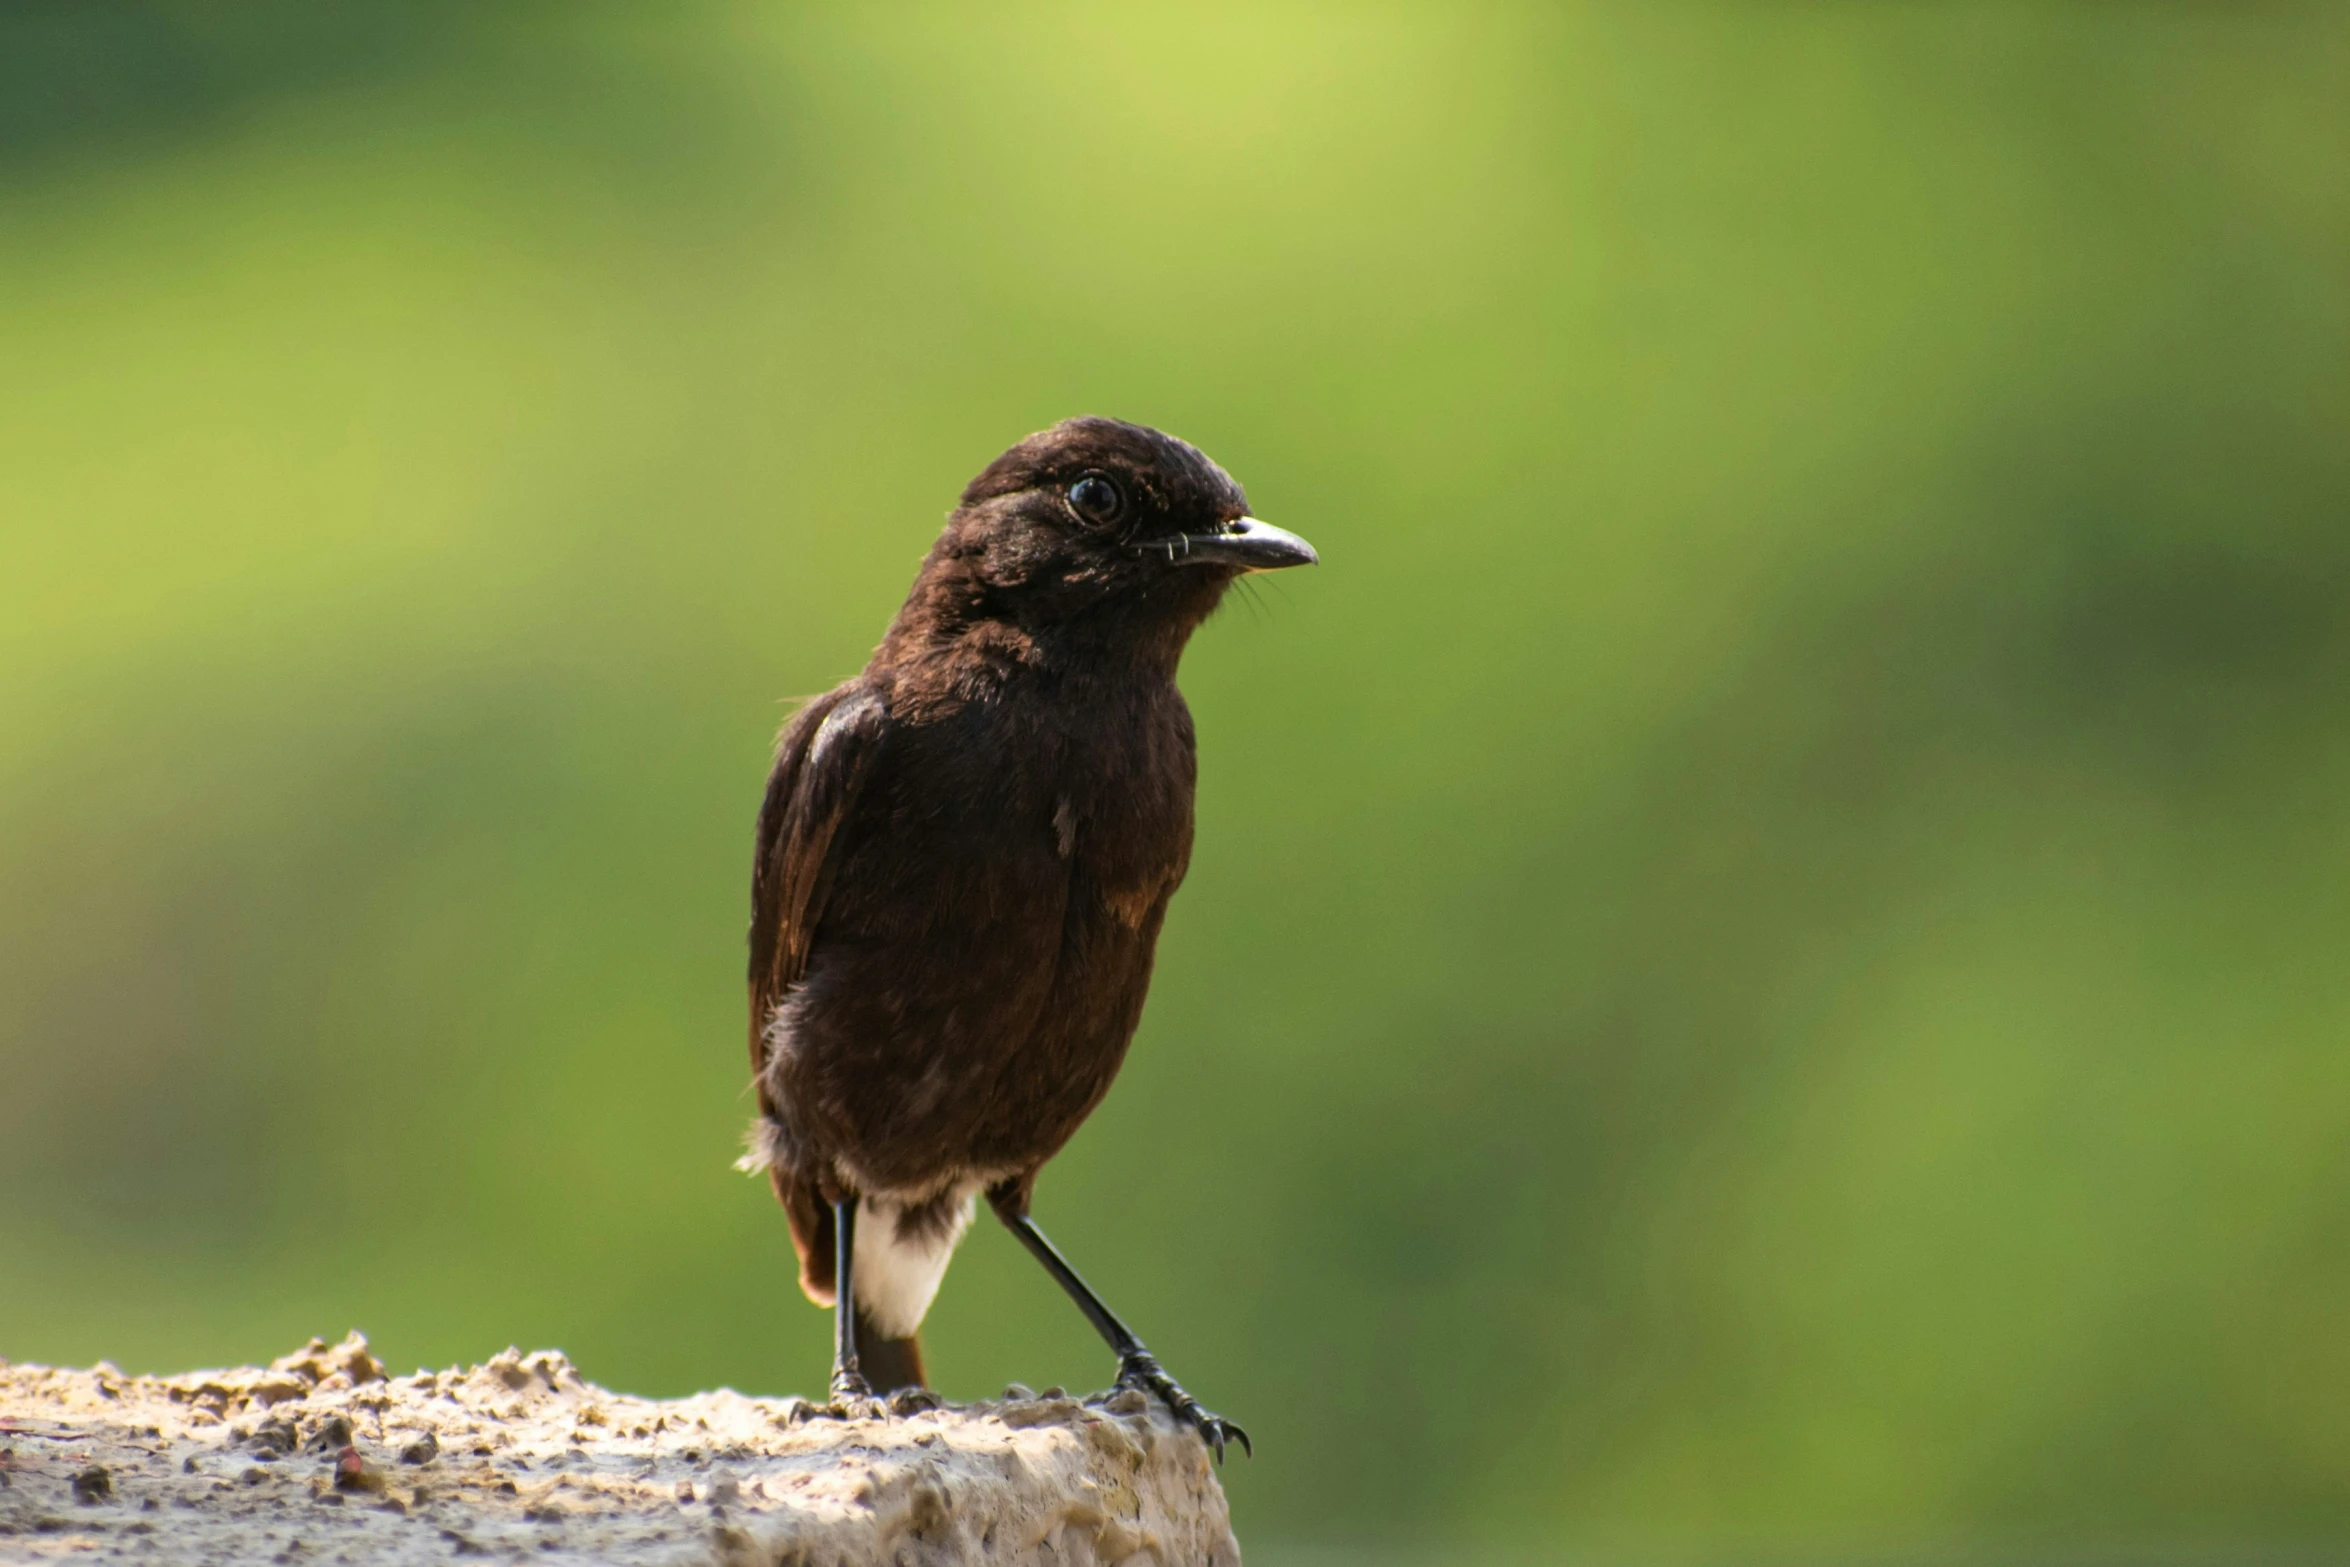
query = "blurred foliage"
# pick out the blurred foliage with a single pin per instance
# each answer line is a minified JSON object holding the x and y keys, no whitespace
{"x":1776,"y":910}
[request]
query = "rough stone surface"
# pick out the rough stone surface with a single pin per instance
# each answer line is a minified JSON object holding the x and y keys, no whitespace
{"x":321,"y":1457}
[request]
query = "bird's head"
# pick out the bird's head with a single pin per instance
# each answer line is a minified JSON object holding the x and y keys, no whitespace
{"x":1097,"y":522}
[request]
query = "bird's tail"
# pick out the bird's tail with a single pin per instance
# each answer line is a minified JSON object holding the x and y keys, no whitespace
{"x":888,"y":1363}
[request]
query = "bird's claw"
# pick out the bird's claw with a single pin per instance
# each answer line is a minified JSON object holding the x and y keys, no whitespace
{"x":1215,"y":1430}
{"x":852,"y":1398}
{"x":1141,"y":1370}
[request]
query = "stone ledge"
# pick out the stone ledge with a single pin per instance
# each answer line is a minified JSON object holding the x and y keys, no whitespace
{"x":322,"y":1457}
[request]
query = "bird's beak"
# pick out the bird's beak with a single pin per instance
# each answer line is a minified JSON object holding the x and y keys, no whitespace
{"x":1245,"y":542}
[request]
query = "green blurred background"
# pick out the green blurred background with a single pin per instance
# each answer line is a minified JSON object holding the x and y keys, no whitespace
{"x":1765,"y":974}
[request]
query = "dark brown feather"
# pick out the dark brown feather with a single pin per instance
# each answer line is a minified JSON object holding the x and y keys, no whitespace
{"x":888,"y":1363}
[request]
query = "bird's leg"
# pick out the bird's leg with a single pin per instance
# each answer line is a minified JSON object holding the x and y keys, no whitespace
{"x":851,"y":1394}
{"x":1137,"y":1366}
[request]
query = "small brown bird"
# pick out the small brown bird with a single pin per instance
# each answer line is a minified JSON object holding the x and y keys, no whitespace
{"x":963,"y":861}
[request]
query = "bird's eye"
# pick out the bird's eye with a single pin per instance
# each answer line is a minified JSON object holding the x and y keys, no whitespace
{"x":1096,"y":498}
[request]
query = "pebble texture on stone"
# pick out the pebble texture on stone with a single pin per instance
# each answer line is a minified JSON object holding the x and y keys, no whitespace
{"x":323,"y":1458}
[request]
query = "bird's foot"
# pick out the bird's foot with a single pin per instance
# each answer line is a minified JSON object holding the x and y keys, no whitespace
{"x":852,"y":1397}
{"x":913,"y":1401}
{"x":1139,"y":1368}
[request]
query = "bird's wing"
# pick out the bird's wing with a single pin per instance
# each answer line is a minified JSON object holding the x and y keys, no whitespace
{"x":821,"y":765}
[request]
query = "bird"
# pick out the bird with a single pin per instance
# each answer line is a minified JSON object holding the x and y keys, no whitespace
{"x":962,"y":862}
